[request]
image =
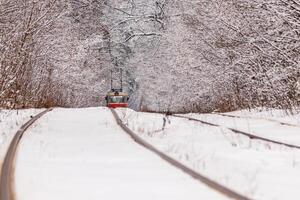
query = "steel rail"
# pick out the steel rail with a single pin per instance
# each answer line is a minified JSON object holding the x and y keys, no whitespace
{"x":196,"y":175}
{"x":6,"y":179}
{"x":251,"y":136}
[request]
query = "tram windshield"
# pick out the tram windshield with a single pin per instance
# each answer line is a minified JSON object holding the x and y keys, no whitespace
{"x":117,"y":99}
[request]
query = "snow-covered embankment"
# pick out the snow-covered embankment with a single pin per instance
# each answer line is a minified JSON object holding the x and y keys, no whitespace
{"x":257,"y":169}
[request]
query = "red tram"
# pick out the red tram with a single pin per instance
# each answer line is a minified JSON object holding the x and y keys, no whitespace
{"x":117,"y":99}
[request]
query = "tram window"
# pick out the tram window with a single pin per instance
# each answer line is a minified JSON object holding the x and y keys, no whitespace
{"x":117,"y":99}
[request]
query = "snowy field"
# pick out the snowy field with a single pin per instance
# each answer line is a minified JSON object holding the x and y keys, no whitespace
{"x":83,"y":154}
{"x":256,"y":169}
{"x":267,"y":124}
{"x":10,"y":122}
{"x":270,"y":114}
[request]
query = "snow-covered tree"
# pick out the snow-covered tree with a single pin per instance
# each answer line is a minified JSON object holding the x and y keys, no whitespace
{"x":22,"y":57}
{"x":197,"y":55}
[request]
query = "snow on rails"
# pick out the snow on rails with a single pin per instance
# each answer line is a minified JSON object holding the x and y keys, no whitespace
{"x":250,"y":166}
{"x":196,"y":175}
{"x":7,"y":189}
{"x":212,"y":182}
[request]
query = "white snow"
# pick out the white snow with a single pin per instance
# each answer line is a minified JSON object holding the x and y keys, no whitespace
{"x":10,"y":122}
{"x":260,"y":126}
{"x":83,"y":154}
{"x":286,"y":116}
{"x":257,"y":169}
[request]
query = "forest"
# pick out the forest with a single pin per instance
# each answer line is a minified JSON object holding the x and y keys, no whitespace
{"x":177,"y":56}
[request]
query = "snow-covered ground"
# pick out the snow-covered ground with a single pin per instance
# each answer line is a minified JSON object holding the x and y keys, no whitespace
{"x":265,"y":124}
{"x":264,"y":113}
{"x":83,"y":154}
{"x":257,"y":169}
{"x":10,"y":122}
{"x":275,"y":115}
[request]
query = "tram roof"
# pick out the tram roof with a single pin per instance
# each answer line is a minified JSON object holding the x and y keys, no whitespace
{"x":117,"y":94}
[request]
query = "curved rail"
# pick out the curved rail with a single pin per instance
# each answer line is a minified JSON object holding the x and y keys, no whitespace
{"x":6,"y":180}
{"x":210,"y":183}
{"x":251,"y":136}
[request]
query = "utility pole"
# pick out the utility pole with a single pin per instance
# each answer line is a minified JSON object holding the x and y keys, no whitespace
{"x":111,"y":80}
{"x":121,"y":80}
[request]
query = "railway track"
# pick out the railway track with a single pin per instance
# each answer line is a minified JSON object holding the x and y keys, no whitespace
{"x":6,"y":179}
{"x":210,"y":183}
{"x":250,"y":135}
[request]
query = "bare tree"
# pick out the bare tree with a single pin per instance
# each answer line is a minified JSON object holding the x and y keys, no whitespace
{"x":21,"y":25}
